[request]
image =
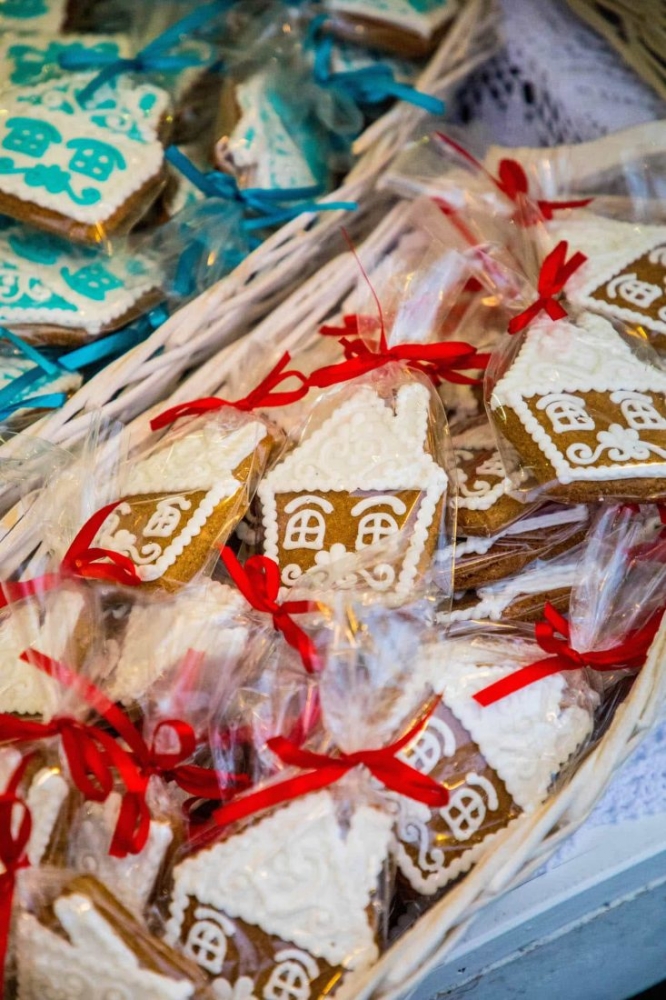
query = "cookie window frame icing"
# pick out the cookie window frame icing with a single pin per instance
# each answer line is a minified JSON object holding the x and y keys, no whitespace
{"x":400,"y":465}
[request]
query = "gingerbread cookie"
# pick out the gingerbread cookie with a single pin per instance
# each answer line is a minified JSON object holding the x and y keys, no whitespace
{"x":366,"y":476}
{"x":541,"y":535}
{"x":131,"y":879}
{"x":33,"y":15}
{"x":624,"y":277}
{"x":45,"y":791}
{"x":187,"y":495}
{"x":157,"y":637}
{"x":498,"y":762}
{"x":262,"y":144}
{"x":407,"y":27}
{"x":49,"y":626}
{"x":84,"y":172}
{"x":285,"y":903}
{"x":54,"y":292}
{"x":521,"y":597}
{"x":89,"y":947}
{"x":484,"y":504}
{"x":585,"y":414}
{"x":26,"y":61}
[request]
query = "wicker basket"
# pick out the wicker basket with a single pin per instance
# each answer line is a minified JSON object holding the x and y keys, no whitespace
{"x":226,"y":311}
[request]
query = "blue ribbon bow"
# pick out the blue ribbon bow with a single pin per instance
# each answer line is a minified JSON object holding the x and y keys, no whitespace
{"x":153,"y":58}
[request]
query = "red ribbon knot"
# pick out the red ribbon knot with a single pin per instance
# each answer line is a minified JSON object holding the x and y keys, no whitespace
{"x":323,"y":770}
{"x":262,"y":396}
{"x":553,"y":635}
{"x":555,"y":272}
{"x":441,"y":362}
{"x":259,"y":583}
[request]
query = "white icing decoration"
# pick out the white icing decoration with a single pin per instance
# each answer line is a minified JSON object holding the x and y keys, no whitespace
{"x":50,"y":153}
{"x":46,"y":281}
{"x":364,"y":445}
{"x":158,"y":636}
{"x":49,"y":966}
{"x":47,"y":626}
{"x":480,"y":544}
{"x":421,"y":18}
{"x":588,"y":357}
{"x":296,"y":874}
{"x":131,"y":879}
{"x":204,"y":458}
{"x":611,"y":247}
{"x":89,"y":931}
{"x":44,"y":798}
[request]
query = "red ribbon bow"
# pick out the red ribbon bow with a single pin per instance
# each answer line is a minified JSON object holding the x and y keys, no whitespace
{"x":13,"y":847}
{"x":80,"y":560}
{"x":260,"y":397}
{"x":324,"y":770}
{"x":512,"y":181}
{"x":92,"y":753}
{"x":259,"y":583}
{"x":440,"y":362}
{"x":553,"y":636}
{"x":555,"y":272}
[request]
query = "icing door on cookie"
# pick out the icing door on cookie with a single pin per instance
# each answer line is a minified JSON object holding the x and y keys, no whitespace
{"x":317,"y":529}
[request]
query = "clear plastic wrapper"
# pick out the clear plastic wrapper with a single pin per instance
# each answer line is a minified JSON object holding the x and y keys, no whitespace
{"x":74,"y":938}
{"x":44,"y":788}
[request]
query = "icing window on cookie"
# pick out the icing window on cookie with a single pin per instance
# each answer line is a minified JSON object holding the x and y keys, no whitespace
{"x":435,"y":742}
{"x":291,"y":978}
{"x":306,"y":528}
{"x":30,"y":136}
{"x":207,"y":939}
{"x":376,"y":525}
{"x":467,"y":808}
{"x":93,"y":281}
{"x":565,"y":412}
{"x":94,"y":158}
{"x":166,"y":517}
{"x":639,"y":411}
{"x":630,"y":288}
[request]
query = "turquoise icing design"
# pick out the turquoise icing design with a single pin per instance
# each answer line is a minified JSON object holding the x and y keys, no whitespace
{"x":30,"y":61}
{"x":40,"y":248}
{"x":20,"y":292}
{"x":30,"y":136}
{"x":93,"y":281}
{"x":95,"y":158}
{"x":52,"y":178}
{"x":23,"y":9}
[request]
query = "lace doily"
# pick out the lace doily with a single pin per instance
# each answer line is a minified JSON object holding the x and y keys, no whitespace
{"x":556,"y":81}
{"x":637,"y":790}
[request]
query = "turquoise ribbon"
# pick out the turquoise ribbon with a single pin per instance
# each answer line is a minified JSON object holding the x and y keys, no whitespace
{"x":368,"y":85}
{"x":48,"y":367}
{"x":153,"y":58}
{"x":271,"y":204}
{"x":115,"y":343}
{"x":49,"y":401}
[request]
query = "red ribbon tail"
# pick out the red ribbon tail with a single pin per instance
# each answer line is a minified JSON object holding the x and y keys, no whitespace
{"x":275,"y":795}
{"x":406,"y":780}
{"x":522,"y":678}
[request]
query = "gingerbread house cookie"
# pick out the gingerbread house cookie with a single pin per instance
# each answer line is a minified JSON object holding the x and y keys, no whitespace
{"x":28,"y":16}
{"x":83,"y":172}
{"x":498,"y":762}
{"x":407,"y":27}
{"x":25,"y":61}
{"x":624,"y":277}
{"x":285,"y":905}
{"x":484,"y":504}
{"x":187,"y":495}
{"x":131,"y":879}
{"x":584,"y":412}
{"x":543,"y":534}
{"x":45,"y":792}
{"x":520,"y":597}
{"x":90,"y":947}
{"x":50,"y":626}
{"x":366,"y":476}
{"x":158,"y":636}
{"x":54,"y":292}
